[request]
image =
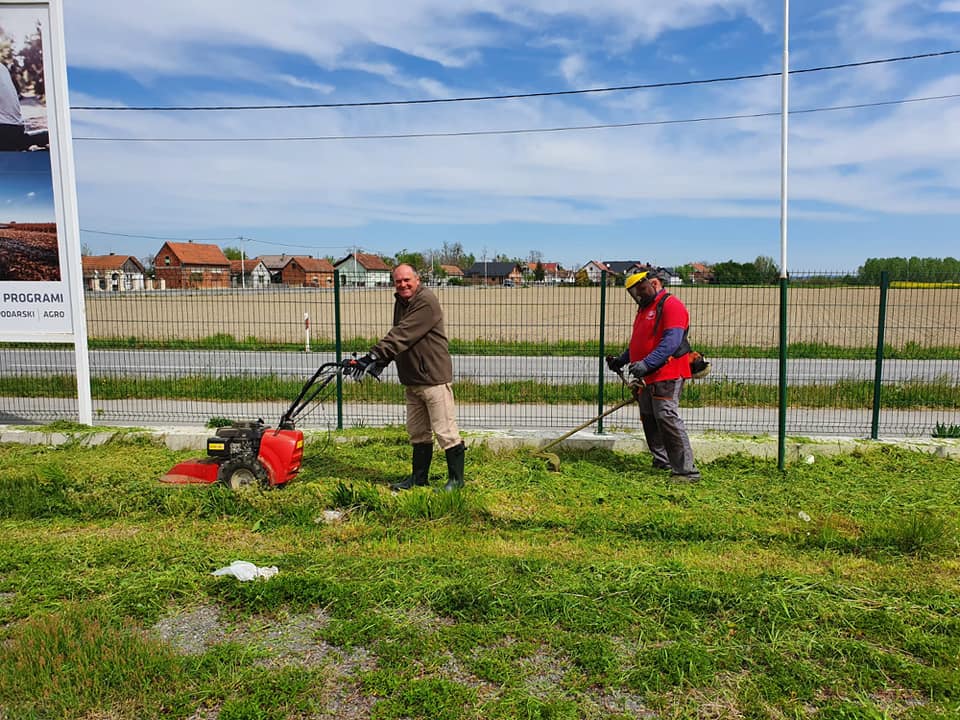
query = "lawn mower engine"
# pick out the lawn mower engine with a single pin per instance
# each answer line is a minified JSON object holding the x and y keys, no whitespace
{"x":242,"y":454}
{"x":251,"y":453}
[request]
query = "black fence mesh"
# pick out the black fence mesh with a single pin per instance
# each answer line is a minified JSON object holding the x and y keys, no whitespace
{"x":525,"y":358}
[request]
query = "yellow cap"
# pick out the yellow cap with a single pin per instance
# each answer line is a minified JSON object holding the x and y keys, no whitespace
{"x":634,"y":279}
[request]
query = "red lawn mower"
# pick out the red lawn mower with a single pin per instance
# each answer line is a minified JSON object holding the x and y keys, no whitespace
{"x":251,"y":453}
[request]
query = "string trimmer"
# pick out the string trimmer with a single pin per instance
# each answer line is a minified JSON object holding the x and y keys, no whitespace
{"x":553,"y":460}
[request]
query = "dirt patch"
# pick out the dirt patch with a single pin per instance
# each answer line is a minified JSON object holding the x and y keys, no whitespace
{"x":192,"y":632}
{"x":284,"y":640}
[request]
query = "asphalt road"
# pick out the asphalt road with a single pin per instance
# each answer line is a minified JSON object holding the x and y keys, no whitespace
{"x":480,"y":369}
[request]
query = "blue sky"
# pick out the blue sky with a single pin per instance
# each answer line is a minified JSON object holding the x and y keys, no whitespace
{"x":26,"y":187}
{"x":872,"y":182}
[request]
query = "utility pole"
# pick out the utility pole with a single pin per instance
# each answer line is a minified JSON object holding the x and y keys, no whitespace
{"x":243,"y":264}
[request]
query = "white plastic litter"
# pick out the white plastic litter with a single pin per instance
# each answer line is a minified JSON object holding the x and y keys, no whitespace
{"x":243,"y":571}
{"x":329,"y":516}
{"x":810,"y":459}
{"x":803,"y":516}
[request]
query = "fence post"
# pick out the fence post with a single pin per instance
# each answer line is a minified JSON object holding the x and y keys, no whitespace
{"x":603,"y":324}
{"x":338,"y":349}
{"x":878,"y":367}
{"x":782,"y":401}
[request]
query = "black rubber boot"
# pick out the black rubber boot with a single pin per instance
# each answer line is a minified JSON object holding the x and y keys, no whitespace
{"x":422,"y":455}
{"x":455,"y":467}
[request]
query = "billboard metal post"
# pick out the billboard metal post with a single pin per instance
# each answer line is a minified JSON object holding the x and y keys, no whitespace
{"x":46,"y":305}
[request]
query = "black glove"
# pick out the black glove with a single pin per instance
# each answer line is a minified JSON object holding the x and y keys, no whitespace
{"x":615,"y":362}
{"x":366,"y":365}
{"x":639,"y":369}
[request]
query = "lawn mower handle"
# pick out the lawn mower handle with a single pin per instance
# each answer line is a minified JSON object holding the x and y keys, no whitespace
{"x":317,"y":382}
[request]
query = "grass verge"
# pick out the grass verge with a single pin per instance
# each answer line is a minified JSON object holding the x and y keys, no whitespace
{"x":829,"y":590}
{"x":723,"y":393}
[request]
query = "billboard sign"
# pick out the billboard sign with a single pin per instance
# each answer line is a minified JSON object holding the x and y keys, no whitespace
{"x":40,"y":278}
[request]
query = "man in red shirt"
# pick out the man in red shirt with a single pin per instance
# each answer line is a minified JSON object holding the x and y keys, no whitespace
{"x":657,"y":360}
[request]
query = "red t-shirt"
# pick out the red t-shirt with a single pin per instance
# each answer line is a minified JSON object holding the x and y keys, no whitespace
{"x":643,"y":341}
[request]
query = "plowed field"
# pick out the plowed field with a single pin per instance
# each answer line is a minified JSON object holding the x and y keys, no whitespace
{"x":29,"y":252}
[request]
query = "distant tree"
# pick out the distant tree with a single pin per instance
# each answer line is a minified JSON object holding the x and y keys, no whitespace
{"x":762,"y":271}
{"x":85,"y":250}
{"x":728,"y":273}
{"x":767,"y":270}
{"x":913,"y":269}
{"x":414,"y":259}
{"x":453,"y":254}
{"x":233,"y":253}
{"x":538,"y":272}
{"x":581,"y":279}
{"x":684,"y":272}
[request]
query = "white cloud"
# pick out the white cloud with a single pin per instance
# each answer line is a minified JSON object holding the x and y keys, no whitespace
{"x":292,"y":81}
{"x":844,"y":166}
{"x":572,"y":69}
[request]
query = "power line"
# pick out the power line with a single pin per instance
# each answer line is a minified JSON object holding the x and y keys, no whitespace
{"x":158,"y":237}
{"x":513,"y":96}
{"x":524,"y":131}
{"x":233,"y":238}
{"x":273,"y":243}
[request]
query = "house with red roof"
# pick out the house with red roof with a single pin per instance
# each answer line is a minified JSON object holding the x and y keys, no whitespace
{"x":183,"y":265}
{"x":250,"y":273}
{"x":702,"y":273}
{"x":553,"y":274}
{"x":113,"y":273}
{"x":364,"y":270}
{"x":307,"y":271}
{"x":592,"y":272}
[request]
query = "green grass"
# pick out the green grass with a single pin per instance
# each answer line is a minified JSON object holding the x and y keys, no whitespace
{"x":602,"y":591}
{"x":841,"y":394}
{"x":942,"y":430}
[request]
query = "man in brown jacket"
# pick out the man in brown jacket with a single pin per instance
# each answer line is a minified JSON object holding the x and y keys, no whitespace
{"x":417,"y":342}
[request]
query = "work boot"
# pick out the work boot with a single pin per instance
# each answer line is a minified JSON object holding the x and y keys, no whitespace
{"x":454,"y":467}
{"x":422,"y":455}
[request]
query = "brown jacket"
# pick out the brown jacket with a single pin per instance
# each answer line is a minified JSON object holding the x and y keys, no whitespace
{"x":418,"y":341}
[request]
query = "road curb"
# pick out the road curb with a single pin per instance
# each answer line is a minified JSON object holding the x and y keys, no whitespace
{"x":706,"y":446}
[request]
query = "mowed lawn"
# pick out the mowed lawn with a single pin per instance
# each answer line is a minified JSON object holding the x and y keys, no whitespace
{"x":602,"y":591}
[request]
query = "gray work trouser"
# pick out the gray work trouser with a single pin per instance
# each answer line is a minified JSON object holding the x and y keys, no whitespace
{"x":664,"y":429}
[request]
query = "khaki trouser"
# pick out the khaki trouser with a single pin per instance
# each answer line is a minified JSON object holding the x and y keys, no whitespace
{"x":431,"y":411}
